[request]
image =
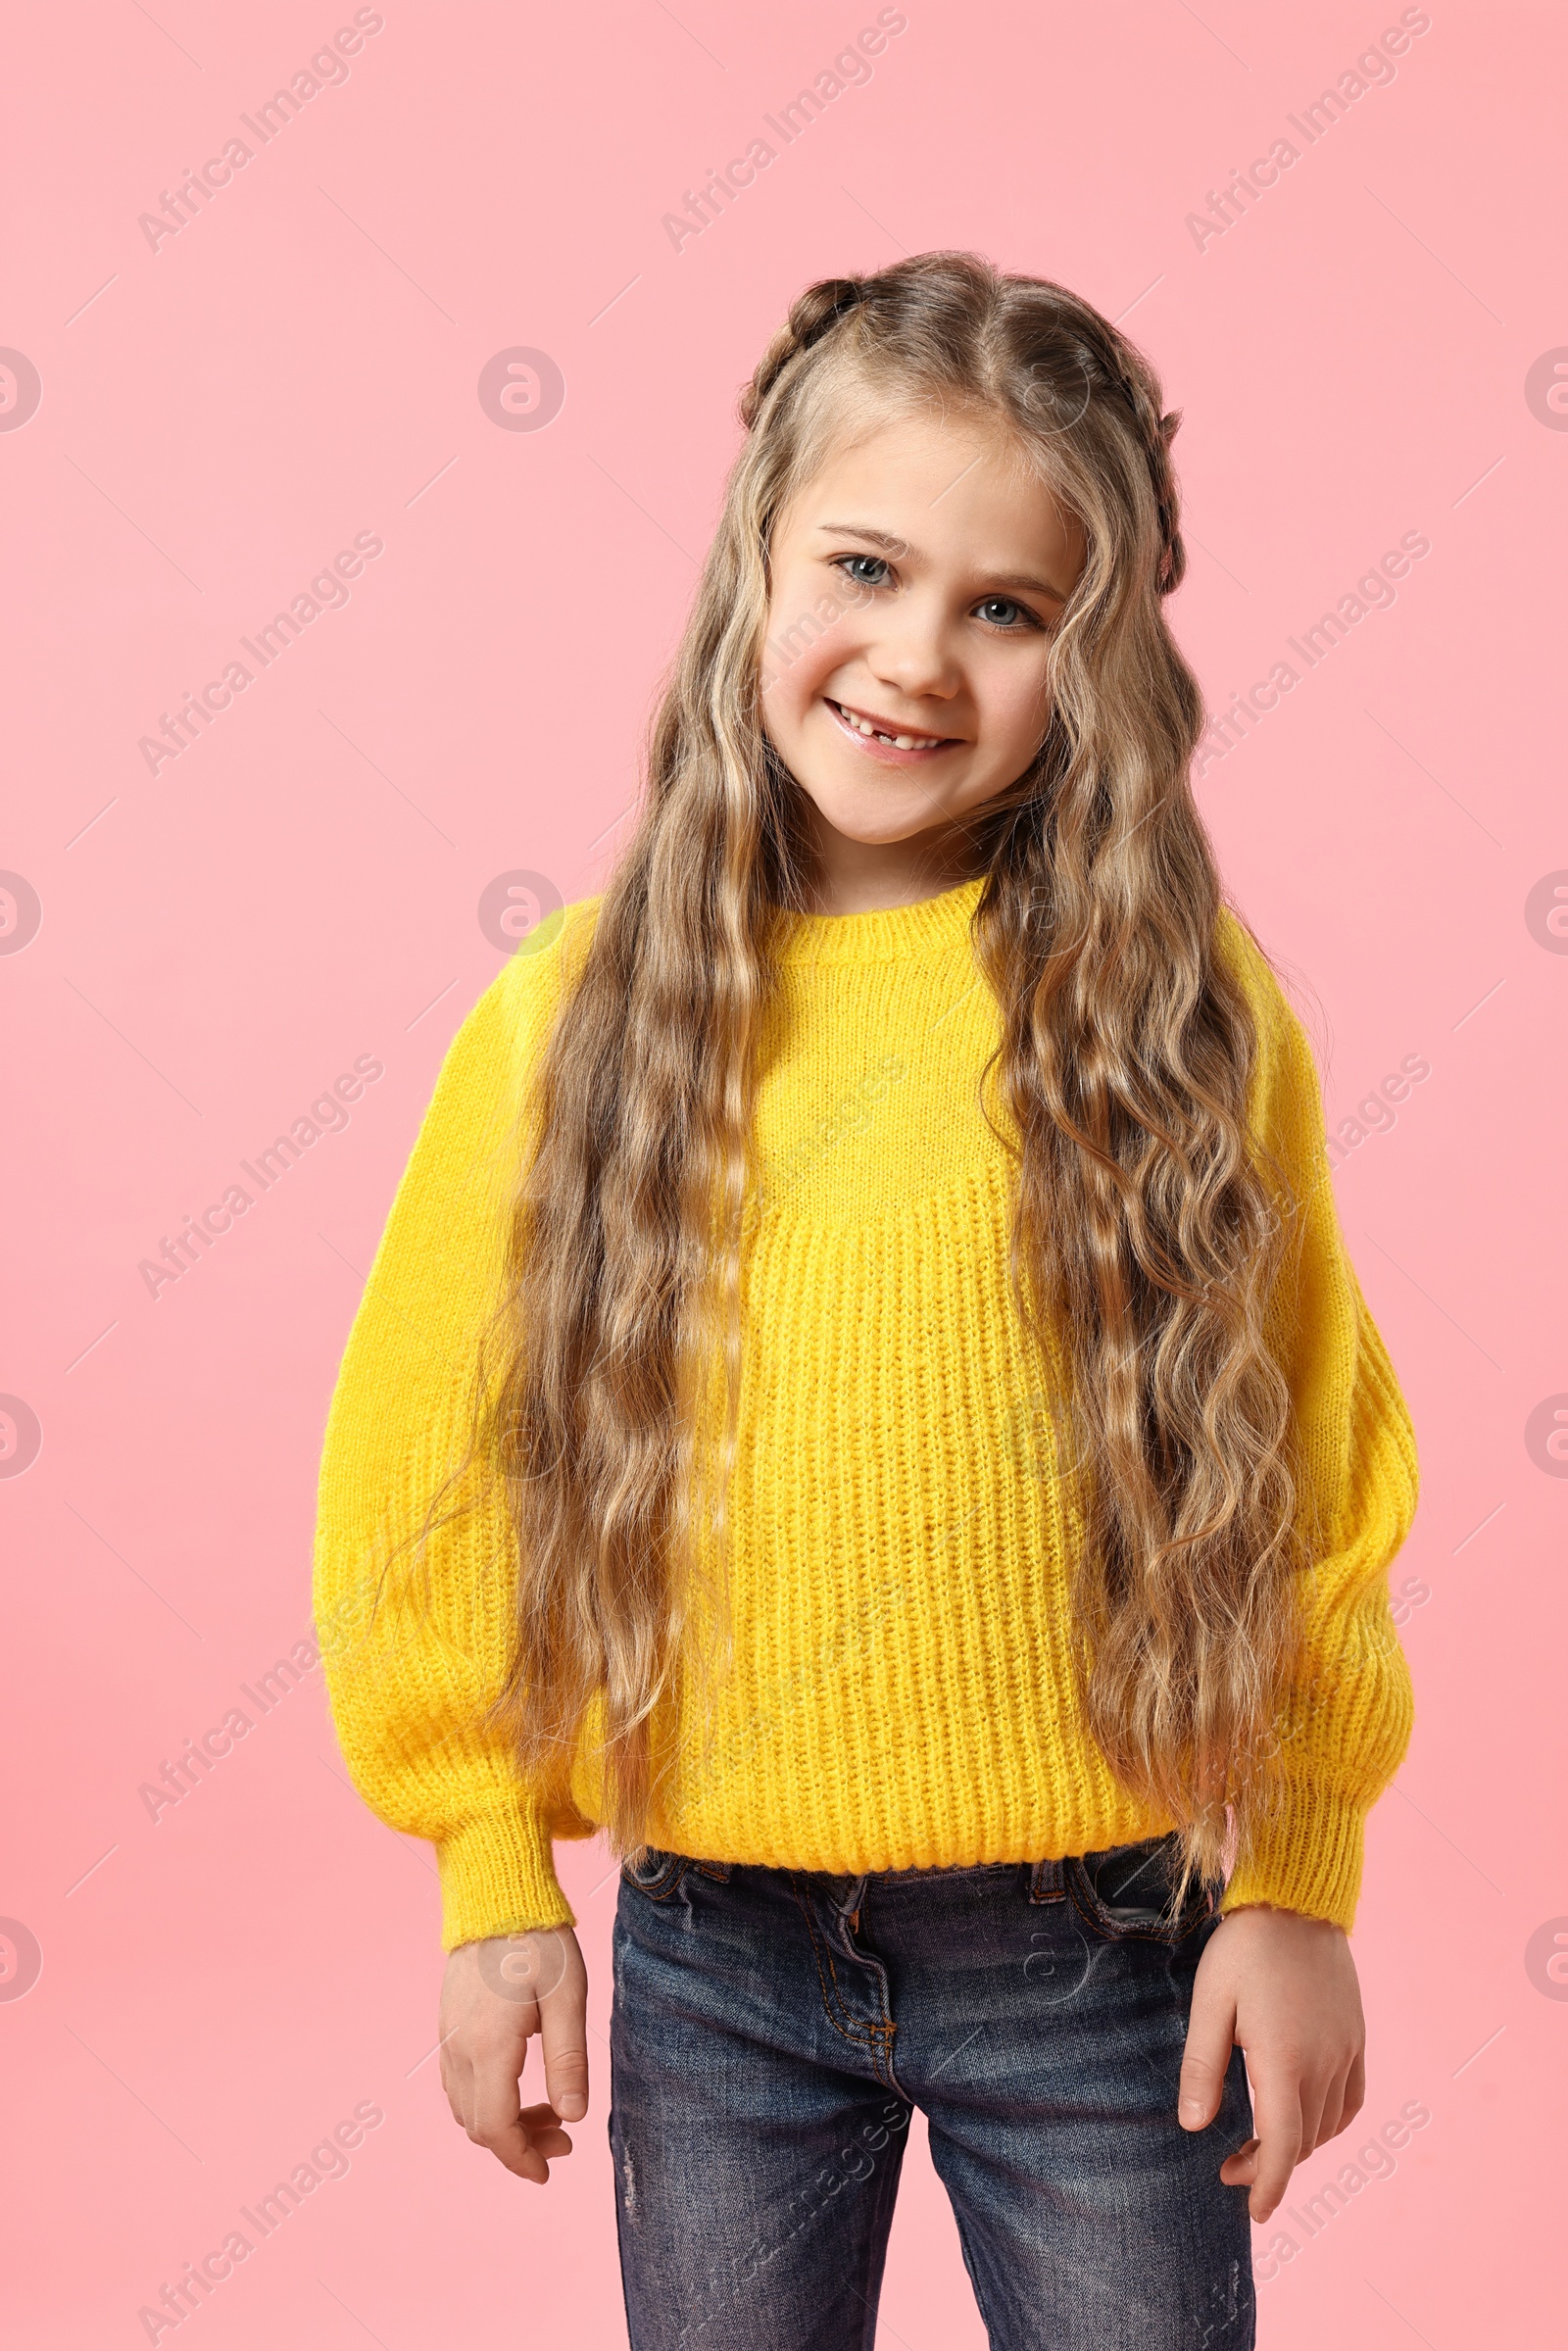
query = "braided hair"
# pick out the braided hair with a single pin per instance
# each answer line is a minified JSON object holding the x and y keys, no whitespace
{"x":811,"y":316}
{"x":1088,"y":360}
{"x":1123,"y":369}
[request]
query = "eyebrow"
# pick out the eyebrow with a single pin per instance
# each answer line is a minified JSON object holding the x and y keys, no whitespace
{"x":897,"y":546}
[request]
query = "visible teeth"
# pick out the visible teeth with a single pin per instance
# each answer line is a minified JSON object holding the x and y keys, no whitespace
{"x":898,"y":742}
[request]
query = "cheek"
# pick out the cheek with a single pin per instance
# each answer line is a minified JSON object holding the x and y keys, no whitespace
{"x":800,"y":659}
{"x":1014,"y":705}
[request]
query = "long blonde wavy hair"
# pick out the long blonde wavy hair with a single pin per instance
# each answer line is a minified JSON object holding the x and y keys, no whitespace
{"x":1147,"y":1227}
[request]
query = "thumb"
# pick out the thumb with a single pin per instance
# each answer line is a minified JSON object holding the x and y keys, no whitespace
{"x":1206,"y":2062}
{"x":564,"y":2044}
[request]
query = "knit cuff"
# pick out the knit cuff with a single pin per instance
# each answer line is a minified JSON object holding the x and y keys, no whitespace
{"x":498,"y":1878}
{"x":1305,"y":1855}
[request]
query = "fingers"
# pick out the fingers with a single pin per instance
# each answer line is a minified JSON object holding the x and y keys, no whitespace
{"x":494,"y":1995}
{"x":483,"y":2096}
{"x":525,"y":2142}
{"x":1279,"y":2146}
{"x":487,"y":2104}
{"x":1319,"y":2106}
{"x":514,"y":2147}
{"x":1297,"y":2013}
{"x":545,"y":2137}
{"x":564,"y":2041}
{"x":1210,"y":2038}
{"x":1345,"y":2095}
{"x":1319,"y":2118}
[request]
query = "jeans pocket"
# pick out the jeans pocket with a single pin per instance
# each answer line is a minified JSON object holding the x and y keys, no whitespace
{"x":655,"y":1873}
{"x":1126,"y":1893}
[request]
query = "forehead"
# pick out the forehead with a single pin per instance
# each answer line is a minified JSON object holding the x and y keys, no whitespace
{"x":948,"y":481}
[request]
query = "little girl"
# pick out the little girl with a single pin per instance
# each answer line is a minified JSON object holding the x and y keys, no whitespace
{"x":862,"y":1397}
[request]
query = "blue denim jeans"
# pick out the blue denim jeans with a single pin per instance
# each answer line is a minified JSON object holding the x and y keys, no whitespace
{"x":772,"y":2030}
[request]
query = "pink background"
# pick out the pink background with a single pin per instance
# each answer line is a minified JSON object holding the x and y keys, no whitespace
{"x":300,"y":364}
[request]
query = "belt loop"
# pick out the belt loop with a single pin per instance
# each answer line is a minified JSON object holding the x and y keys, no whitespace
{"x":1047,"y":1883}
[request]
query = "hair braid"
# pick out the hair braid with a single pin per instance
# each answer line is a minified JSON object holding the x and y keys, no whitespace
{"x":812,"y":314}
{"x":1112,"y":364}
{"x":1158,"y":432}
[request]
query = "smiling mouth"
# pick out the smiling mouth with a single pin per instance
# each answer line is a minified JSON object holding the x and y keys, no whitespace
{"x":883,"y":731}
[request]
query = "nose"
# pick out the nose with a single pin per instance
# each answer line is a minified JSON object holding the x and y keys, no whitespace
{"x":913,"y":652}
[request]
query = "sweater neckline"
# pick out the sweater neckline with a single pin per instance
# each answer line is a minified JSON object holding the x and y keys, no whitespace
{"x":885,"y":934}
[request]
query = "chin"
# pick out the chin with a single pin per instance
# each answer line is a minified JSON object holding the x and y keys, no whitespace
{"x":875,"y":828}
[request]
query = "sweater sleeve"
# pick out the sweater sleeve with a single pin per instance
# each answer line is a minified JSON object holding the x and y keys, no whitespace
{"x":414,"y":1636}
{"x":1347,"y":1725}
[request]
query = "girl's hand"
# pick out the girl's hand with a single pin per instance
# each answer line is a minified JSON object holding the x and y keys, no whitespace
{"x":494,"y":1994}
{"x":1281,"y":1987}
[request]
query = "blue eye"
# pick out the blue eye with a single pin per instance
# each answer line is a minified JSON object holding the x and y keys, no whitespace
{"x":847,"y":563}
{"x":1001,"y":612}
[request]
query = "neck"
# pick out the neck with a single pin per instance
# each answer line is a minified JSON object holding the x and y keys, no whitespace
{"x":867,"y":878}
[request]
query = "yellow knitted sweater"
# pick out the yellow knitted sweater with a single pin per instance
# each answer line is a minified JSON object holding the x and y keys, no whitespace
{"x":900,"y":1542}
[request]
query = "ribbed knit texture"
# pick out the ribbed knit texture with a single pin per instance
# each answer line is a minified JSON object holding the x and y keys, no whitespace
{"x":900,"y":1546}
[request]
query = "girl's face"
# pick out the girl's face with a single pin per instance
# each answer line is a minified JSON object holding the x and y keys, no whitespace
{"x":917,"y":581}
